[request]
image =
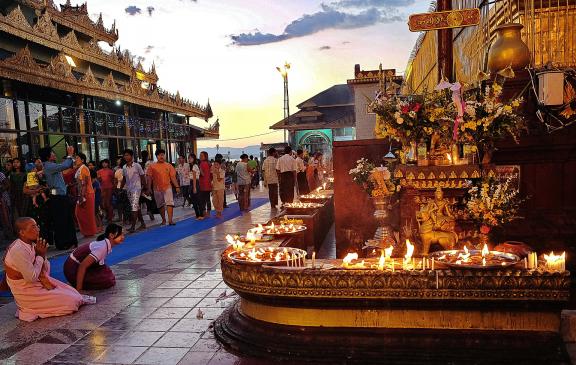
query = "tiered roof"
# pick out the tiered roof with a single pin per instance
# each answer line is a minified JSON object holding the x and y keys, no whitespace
{"x":71,"y":32}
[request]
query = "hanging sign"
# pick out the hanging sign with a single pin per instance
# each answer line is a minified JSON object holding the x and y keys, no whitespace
{"x":444,"y":20}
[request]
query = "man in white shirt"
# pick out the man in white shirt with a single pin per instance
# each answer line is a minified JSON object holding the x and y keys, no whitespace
{"x":134,"y":181}
{"x":301,"y":174}
{"x":271,"y":177}
{"x":286,"y":167}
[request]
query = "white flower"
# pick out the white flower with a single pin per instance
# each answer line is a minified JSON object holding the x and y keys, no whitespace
{"x":471,"y":111}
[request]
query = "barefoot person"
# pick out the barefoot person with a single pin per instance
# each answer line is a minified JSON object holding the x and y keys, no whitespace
{"x":85,"y":267}
{"x":36,"y":294}
{"x":135,"y":184}
{"x":163,"y":175}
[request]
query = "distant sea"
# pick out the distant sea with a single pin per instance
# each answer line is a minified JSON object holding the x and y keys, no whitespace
{"x":232,"y":153}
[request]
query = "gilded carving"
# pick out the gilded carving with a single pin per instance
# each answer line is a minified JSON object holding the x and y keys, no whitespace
{"x":495,"y":285}
{"x":45,"y":27}
{"x":110,"y":83}
{"x":71,"y":41}
{"x":23,"y":58}
{"x":17,"y":18}
{"x":59,"y":67}
{"x":89,"y":78}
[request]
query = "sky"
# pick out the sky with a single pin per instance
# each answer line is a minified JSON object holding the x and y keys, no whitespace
{"x":226,"y":51}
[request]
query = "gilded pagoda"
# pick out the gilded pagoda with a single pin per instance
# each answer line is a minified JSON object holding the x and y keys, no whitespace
{"x":59,"y":86}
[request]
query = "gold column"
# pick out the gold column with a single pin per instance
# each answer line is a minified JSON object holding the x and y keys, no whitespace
{"x":82,"y":122}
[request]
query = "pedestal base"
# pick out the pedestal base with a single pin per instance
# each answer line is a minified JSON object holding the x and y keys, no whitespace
{"x":302,"y":344}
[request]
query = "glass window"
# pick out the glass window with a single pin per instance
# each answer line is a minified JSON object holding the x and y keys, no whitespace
{"x":100,"y":121}
{"x":7,"y":120}
{"x":52,"y":118}
{"x":38,"y":141}
{"x":69,"y":119}
{"x":8,"y":146}
{"x":120,"y":125}
{"x":21,"y":115}
{"x":35,"y":114}
{"x":25,"y":146}
{"x":103,"y":149}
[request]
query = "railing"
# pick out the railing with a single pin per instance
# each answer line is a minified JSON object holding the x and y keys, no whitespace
{"x":549,"y":31}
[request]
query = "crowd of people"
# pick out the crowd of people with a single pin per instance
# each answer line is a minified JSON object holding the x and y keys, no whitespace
{"x":76,"y":195}
{"x":291,"y":173}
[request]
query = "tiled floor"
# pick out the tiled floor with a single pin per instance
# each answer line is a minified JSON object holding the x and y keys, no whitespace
{"x":159,"y":312}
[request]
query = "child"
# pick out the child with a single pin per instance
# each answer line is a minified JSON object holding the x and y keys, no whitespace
{"x":218,"y":187}
{"x":33,"y":177}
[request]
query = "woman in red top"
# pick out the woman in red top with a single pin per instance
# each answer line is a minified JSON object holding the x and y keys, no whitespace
{"x":205,"y":184}
{"x":106,"y":178}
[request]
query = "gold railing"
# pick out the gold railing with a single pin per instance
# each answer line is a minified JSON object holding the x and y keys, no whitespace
{"x":549,"y":31}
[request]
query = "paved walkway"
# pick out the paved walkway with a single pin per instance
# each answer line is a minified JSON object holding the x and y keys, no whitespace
{"x":160,"y":311}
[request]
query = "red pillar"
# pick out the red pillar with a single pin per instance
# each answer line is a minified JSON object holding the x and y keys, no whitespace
{"x":444,"y":45}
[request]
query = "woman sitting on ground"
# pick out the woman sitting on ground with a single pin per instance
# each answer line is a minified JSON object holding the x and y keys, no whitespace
{"x":85,"y":268}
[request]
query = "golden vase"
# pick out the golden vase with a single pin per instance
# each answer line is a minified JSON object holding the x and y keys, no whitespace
{"x":508,"y":49}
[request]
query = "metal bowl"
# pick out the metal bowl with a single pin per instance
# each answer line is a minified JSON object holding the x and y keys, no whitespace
{"x":505,"y":259}
{"x":235,"y":256}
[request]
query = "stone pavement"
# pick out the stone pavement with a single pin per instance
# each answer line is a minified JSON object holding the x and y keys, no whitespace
{"x":159,"y":312}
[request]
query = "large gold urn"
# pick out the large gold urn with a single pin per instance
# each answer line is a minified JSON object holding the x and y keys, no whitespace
{"x":508,"y":49}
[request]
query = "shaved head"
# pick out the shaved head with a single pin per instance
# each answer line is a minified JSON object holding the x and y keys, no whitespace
{"x":22,"y":223}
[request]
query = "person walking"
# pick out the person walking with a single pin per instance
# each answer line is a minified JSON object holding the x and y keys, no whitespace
{"x":59,"y":205}
{"x":286,"y":166}
{"x":218,"y":175}
{"x":243,"y":181}
{"x":134,"y":183}
{"x":195,"y":186}
{"x":253,"y":165}
{"x":301,"y":174}
{"x":163,"y":176}
{"x":205,"y":184}
{"x":183,"y":173}
{"x":106,"y":178}
{"x":119,"y":193}
{"x":86,"y":199}
{"x":271,"y":177}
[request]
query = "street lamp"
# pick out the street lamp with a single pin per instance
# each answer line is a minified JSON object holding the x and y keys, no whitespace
{"x":284,"y":72}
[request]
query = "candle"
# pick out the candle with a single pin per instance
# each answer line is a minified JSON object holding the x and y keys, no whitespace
{"x":555,"y":262}
{"x":525,"y":263}
{"x":436,"y":279}
{"x":314,"y":259}
{"x":432,"y":264}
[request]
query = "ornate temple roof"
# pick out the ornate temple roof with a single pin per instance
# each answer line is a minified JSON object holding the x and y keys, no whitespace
{"x":110,"y":75}
{"x":331,"y":108}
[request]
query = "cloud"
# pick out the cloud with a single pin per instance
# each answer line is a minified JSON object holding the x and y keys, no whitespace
{"x":308,"y":24}
{"x":133,"y":10}
{"x":150,"y":10}
{"x":140,"y":59}
{"x":148,"y":49}
{"x":346,"y":42}
{"x":324,"y":48}
{"x":371,"y":3}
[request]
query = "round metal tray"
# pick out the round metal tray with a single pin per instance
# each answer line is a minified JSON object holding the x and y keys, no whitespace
{"x":235,"y":254}
{"x":508,"y":259}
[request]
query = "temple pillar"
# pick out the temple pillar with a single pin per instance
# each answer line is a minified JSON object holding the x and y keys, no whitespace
{"x":82,"y":122}
{"x":445,"y":67}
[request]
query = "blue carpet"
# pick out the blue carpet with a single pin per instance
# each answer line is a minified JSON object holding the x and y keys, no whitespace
{"x":149,"y":240}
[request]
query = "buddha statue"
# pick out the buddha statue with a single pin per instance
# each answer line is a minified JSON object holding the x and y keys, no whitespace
{"x":438,"y":150}
{"x":436,"y":223}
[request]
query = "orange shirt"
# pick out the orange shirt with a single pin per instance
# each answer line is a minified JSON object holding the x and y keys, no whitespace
{"x":107,"y":177}
{"x":84,"y":176}
{"x":161,"y":174}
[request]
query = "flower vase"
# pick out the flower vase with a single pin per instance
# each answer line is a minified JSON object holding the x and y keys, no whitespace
{"x":384,"y":232}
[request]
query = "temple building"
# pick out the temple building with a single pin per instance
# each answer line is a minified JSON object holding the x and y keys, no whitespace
{"x":326,"y":117}
{"x":365,"y":85}
{"x":58,"y":87}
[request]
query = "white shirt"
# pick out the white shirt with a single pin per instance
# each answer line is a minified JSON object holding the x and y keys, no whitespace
{"x":195,"y":171}
{"x":300,"y":165}
{"x":99,"y":250}
{"x":132,"y":175}
{"x":269,"y":168}
{"x":286,"y":163}
{"x":183,"y":174}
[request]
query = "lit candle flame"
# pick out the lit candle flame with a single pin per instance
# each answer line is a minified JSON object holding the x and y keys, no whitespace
{"x":349,"y":257}
{"x":388,"y":251}
{"x":485,"y":250}
{"x":382,"y":261}
{"x":449,"y":157}
{"x":409,"y":250}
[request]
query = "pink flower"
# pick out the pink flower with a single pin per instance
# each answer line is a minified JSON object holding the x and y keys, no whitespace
{"x":416,"y":107}
{"x":405,"y":109}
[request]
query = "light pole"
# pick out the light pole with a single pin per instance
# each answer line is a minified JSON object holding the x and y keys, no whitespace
{"x":284,"y":72}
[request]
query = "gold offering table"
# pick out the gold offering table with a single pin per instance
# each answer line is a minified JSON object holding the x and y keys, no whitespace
{"x":332,"y":314}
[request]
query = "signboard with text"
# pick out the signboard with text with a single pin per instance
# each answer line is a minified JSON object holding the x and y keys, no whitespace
{"x":444,"y":20}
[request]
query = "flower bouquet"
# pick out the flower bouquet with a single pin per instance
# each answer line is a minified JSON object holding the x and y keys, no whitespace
{"x":361,"y":175}
{"x":493,"y":203}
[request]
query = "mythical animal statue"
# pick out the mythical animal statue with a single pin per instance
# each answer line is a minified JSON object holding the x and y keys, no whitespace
{"x":436,"y":223}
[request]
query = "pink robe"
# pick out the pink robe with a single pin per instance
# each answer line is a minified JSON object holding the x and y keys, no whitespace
{"x":32,"y":300}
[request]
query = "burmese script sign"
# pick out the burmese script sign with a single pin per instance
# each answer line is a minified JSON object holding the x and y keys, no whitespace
{"x":444,"y":20}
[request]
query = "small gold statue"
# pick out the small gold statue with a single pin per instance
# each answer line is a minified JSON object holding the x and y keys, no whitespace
{"x":436,"y":223}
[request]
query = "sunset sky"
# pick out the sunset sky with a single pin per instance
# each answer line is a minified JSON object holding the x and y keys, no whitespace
{"x":228,"y":50}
